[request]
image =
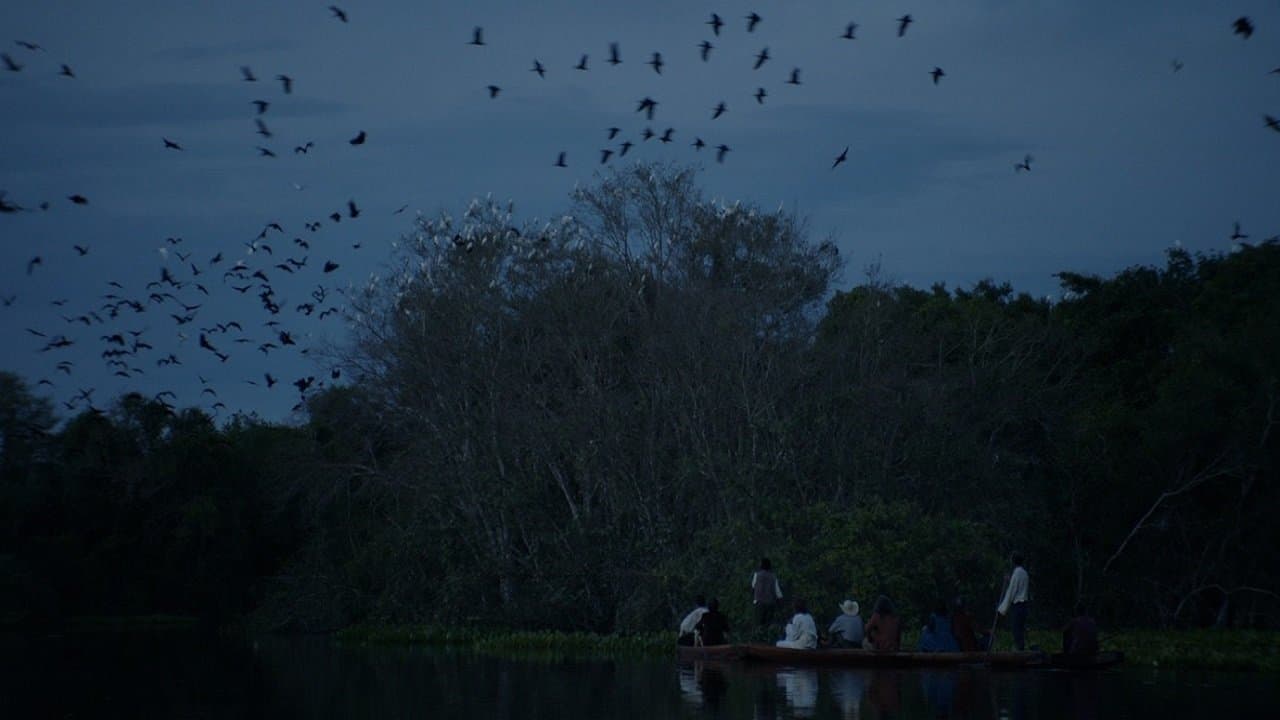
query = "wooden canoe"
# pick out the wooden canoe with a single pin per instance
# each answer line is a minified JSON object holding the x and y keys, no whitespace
{"x":1085,"y":662}
{"x":873,"y":658}
{"x":710,"y":652}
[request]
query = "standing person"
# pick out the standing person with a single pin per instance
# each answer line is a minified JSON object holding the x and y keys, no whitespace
{"x":963,"y":627}
{"x":1017,"y":597}
{"x":884,"y":629}
{"x":766,"y":592}
{"x":846,"y":629}
{"x":713,"y":628}
{"x":690,"y":621}
{"x":802,"y":631}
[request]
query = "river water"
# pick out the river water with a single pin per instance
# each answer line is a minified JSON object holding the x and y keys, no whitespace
{"x":178,"y":675}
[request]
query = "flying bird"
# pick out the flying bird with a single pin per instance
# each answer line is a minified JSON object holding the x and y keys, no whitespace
{"x":287,"y":83}
{"x":262,"y":105}
{"x":903,"y":22}
{"x":1272,"y":123}
{"x":795,"y":77}
{"x":605,"y":155}
{"x":358,"y":139}
{"x":493,"y":91}
{"x":246,"y":74}
{"x":721,"y":150}
{"x":666,"y":135}
{"x":761,"y":58}
{"x":582,"y":64}
{"x":264,"y":152}
{"x":78,"y":199}
{"x":624,"y":147}
{"x":34,"y":47}
{"x":698,"y":144}
{"x":170,"y":145}
{"x":1024,"y":166}
{"x":716,"y":23}
{"x":537,"y":67}
{"x":752,"y":21}
{"x":719,"y":110}
{"x":262,"y":127}
{"x":706,"y":48}
{"x":760,"y":95}
{"x":648,"y":105}
{"x":1176,"y":64}
{"x":477,"y":36}
{"x":648,"y":134}
{"x":613,"y":132}
{"x":849,"y":30}
{"x":1243,"y":27}
{"x":560,"y":161}
{"x":352,"y":211}
{"x":614,"y":55}
{"x":843,"y":156}
{"x":10,"y":64}
{"x":1236,"y":234}
{"x":66,"y":71}
{"x":656,"y":62}
{"x":330,"y":266}
{"x":937,"y":74}
{"x":338,"y":12}
{"x":33,"y":262}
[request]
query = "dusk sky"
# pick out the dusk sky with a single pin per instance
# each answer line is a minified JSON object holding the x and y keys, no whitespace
{"x":1130,"y":155}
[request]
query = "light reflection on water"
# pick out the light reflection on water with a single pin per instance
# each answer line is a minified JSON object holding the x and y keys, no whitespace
{"x":200,"y":677}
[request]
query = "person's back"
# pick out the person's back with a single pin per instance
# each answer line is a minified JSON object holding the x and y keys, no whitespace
{"x":884,"y":631}
{"x":1081,"y":635}
{"x":713,"y":627}
{"x":690,"y":621}
{"x":846,"y":630}
{"x":944,"y":640}
{"x":964,"y":630}
{"x":802,"y":632}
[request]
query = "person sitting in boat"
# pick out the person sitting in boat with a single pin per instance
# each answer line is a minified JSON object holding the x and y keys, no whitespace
{"x":884,"y":630}
{"x":846,"y":629}
{"x":936,"y":635}
{"x":1080,"y":636}
{"x":963,"y":627}
{"x":802,"y":631}
{"x":713,"y":628}
{"x":689,"y":624}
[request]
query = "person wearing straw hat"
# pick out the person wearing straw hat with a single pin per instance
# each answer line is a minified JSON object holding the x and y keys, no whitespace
{"x":846,"y":629}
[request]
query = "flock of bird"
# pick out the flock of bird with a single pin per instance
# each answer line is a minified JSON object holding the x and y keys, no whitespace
{"x":185,"y":284}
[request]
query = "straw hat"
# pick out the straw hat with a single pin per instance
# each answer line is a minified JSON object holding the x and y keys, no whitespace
{"x":849,"y":607}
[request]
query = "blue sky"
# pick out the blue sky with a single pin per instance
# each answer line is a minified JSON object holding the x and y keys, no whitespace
{"x":1130,"y":157}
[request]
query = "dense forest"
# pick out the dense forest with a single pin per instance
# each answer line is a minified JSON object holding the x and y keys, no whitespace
{"x":579,"y":424}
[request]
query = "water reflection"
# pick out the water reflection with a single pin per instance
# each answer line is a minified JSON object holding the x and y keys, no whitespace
{"x":211,"y":678}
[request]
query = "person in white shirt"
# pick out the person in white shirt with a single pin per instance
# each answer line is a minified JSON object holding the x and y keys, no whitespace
{"x":690,"y":622}
{"x":1017,"y":598}
{"x":802,"y":631}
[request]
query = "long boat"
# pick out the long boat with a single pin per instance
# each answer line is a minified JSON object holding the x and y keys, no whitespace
{"x":842,"y":657}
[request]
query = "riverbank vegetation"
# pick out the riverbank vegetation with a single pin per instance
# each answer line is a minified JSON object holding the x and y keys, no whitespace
{"x":578,"y":425}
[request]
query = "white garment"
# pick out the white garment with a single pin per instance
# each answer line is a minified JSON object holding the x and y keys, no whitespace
{"x":1019,"y":590}
{"x":777,"y":589}
{"x":690,"y":621}
{"x":802,"y":633}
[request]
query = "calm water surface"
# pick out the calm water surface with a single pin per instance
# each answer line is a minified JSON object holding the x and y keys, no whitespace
{"x":192,"y":676}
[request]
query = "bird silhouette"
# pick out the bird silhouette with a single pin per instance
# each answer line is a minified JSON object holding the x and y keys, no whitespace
{"x":33,"y":262}
{"x":1243,"y":27}
{"x":537,"y":67}
{"x":752,"y":21}
{"x":716,"y":23}
{"x":1272,"y":123}
{"x":560,"y":161}
{"x":170,"y":145}
{"x":10,"y":64}
{"x":261,"y":105}
{"x":605,"y":155}
{"x":34,"y":47}
{"x":246,"y":74}
{"x":352,"y":211}
{"x":262,"y":128}
{"x":477,"y":36}
{"x":666,"y":135}
{"x":903,"y":22}
{"x":330,"y":266}
{"x":286,"y":82}
{"x":698,"y":144}
{"x":624,"y":147}
{"x":761,"y":58}
{"x":648,"y":105}
{"x":937,"y":74}
{"x":721,"y":151}
{"x":81,"y":250}
{"x":358,"y":139}
{"x":843,"y":156}
{"x":338,"y":12}
{"x":1236,"y":234}
{"x":849,"y":30}
{"x":705,"y":46}
{"x":613,"y":132}
{"x":656,"y":62}
{"x":78,"y":199}
{"x":582,"y":64}
{"x":719,"y":110}
{"x":760,"y":95}
{"x":1176,"y":64}
{"x":264,"y":152}
{"x":795,"y":77}
{"x":493,"y":91}
{"x":1024,"y":166}
{"x":648,"y":134}
{"x":615,"y":56}
{"x":302,"y":149}
{"x":67,"y":72}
